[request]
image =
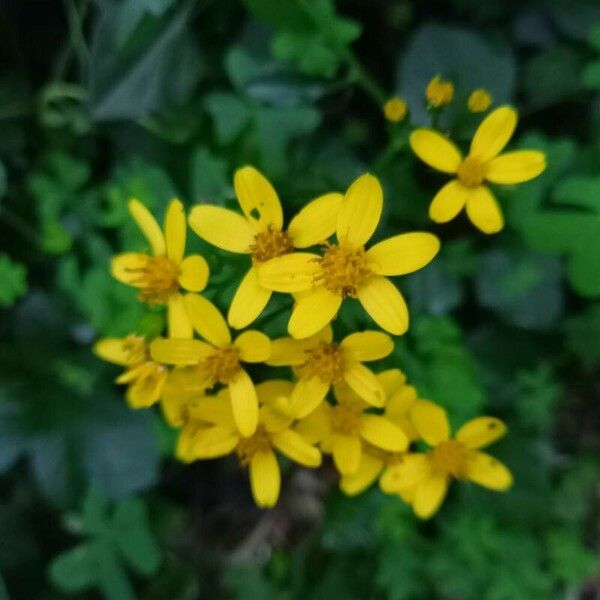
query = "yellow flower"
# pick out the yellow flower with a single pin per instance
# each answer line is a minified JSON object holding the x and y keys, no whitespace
{"x":211,"y":432}
{"x":343,"y":429}
{"x":260,"y":234}
{"x":320,"y":363}
{"x":483,"y":164}
{"x":348,"y":270}
{"x":219,"y":359}
{"x":183,"y":387}
{"x":144,"y":377}
{"x":479,"y":100}
{"x":395,"y":110}
{"x":160,"y":277}
{"x":439,"y":92}
{"x":430,"y":473}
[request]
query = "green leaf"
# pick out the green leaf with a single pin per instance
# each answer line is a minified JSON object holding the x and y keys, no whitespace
{"x":590,"y":75}
{"x":230,"y":115}
{"x":13,"y":276}
{"x":74,"y":570}
{"x":3,"y":181}
{"x":582,"y":332}
{"x":208,"y":175}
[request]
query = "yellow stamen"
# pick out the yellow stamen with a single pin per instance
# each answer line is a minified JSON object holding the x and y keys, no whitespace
{"x":157,"y":279}
{"x":222,"y":365}
{"x":449,"y":458}
{"x":248,"y":447}
{"x":270,"y":243}
{"x":344,"y":269}
{"x":471,"y":171}
{"x":326,"y":362}
{"x":346,"y":418}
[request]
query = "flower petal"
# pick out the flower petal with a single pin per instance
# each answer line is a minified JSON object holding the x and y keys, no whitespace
{"x":181,"y":352}
{"x":448,"y":202}
{"x":222,"y":228}
{"x":382,"y":433}
{"x":436,"y":150}
{"x":307,"y":395}
{"x":485,"y":470}
{"x":258,"y":199}
{"x":147,"y":390}
{"x":289,"y":273}
{"x":296,"y":448}
{"x":347,"y":450}
{"x":481,"y":432}
{"x":316,"y":427}
{"x":363,"y":381}
{"x":313,"y":312}
{"x":404,"y":253}
{"x":287,"y":351}
{"x":244,"y":403}
{"x":494,"y":133}
{"x":412,"y":469}
{"x":265,"y":478}
{"x":516,"y":167}
{"x":207,"y":320}
{"x":385,"y":304}
{"x":368,"y":470}
{"x":125,"y":267}
{"x":271,"y":391}
{"x":175,"y":230}
{"x":179,"y":323}
{"x":431,"y":421}
{"x":429,"y":495}
{"x":147,"y":223}
{"x":118,"y":350}
{"x":360,"y":211}
{"x":316,"y":222}
{"x":483,"y":210}
{"x":365,"y":346}
{"x":248,"y":302}
{"x":200,"y":442}
{"x":193,"y":273}
{"x":255,"y":346}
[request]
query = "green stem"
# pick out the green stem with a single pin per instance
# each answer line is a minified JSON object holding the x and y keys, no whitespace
{"x":394,"y":146}
{"x":359,"y":75}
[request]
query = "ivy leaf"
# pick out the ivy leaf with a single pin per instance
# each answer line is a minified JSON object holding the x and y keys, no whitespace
{"x":208,"y":174}
{"x":13,"y":276}
{"x":229,"y":113}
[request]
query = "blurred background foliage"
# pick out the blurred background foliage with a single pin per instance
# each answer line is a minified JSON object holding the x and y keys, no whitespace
{"x":101,"y":100}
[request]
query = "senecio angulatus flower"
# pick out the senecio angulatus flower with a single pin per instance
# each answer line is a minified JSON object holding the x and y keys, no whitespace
{"x":479,"y":101}
{"x":439,"y":92}
{"x":346,"y":269}
{"x":483,"y":164}
{"x":395,"y":110}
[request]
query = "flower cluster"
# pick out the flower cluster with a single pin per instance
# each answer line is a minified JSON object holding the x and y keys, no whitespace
{"x":373,"y":424}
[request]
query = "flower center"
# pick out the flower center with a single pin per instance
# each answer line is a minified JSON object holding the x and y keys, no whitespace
{"x":326,"y":362}
{"x":270,"y":244}
{"x":136,"y":349}
{"x":471,"y":171}
{"x":248,"y":447}
{"x":222,"y":366}
{"x":346,"y":418}
{"x":344,"y":269}
{"x":157,"y":279}
{"x":449,"y":458}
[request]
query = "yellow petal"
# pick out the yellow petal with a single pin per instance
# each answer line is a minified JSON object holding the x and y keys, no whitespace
{"x":254,"y":346}
{"x":135,"y":372}
{"x":436,"y":150}
{"x":222,"y":228}
{"x":316,"y":427}
{"x":494,"y":133}
{"x":175,"y":230}
{"x":271,"y":390}
{"x":215,"y":410}
{"x":180,"y":352}
{"x":429,"y":495}
{"x":412,"y":469}
{"x":207,"y":320}
{"x":248,"y":302}
{"x":448,"y":202}
{"x":265,"y":478}
{"x":403,"y":253}
{"x":258,"y":199}
{"x":360,"y":211}
{"x":481,"y":432}
{"x":363,"y":381}
{"x":150,"y":228}
{"x":307,"y":395}
{"x":400,"y":402}
{"x":199,"y":442}
{"x":516,"y":167}
{"x":289,"y":273}
{"x":126,"y":267}
{"x":288,"y":351}
{"x":368,"y":470}
{"x":296,"y":448}
{"x":483,"y":210}
{"x":244,"y":403}
{"x":316,"y":222}
{"x":179,"y":323}
{"x":193,"y":273}
{"x":365,"y":346}
{"x":485,"y":470}
{"x":347,"y":450}
{"x":313,"y":312}
{"x":382,"y":433}
{"x":431,"y":421}
{"x":147,"y":390}
{"x":391,"y":380}
{"x":385,"y":304}
{"x":119,"y":350}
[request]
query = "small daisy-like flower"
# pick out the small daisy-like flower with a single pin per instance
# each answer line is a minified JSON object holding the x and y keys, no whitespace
{"x":319,"y":363}
{"x":259,"y":233}
{"x":343,"y":429}
{"x":395,"y":110}
{"x":162,"y":275}
{"x":484,"y":163}
{"x":211,"y":432}
{"x":348,"y":270}
{"x":439,"y":92}
{"x":479,"y":101}
{"x":430,"y":473}
{"x":144,"y":377}
{"x":219,"y":359}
